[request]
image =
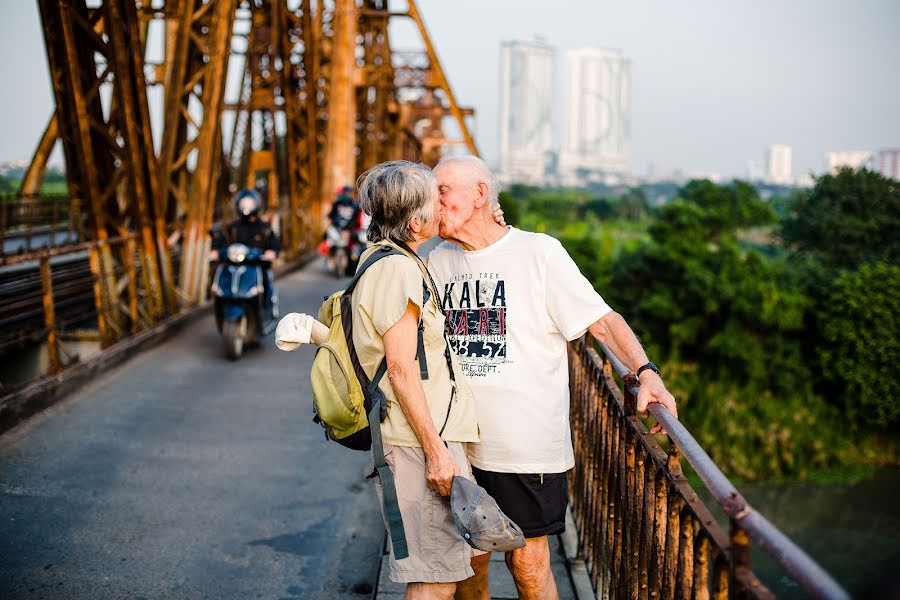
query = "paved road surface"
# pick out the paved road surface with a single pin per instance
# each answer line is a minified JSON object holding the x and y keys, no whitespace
{"x":182,"y":475}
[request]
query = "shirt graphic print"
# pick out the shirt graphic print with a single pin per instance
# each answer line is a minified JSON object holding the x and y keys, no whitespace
{"x":476,"y":321}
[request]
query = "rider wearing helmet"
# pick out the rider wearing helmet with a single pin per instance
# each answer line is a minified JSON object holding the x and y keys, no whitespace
{"x":345,"y":211}
{"x":248,"y":229}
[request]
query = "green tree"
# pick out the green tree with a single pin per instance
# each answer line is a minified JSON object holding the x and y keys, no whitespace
{"x":861,"y":334}
{"x":6,"y":187}
{"x":512,"y":208}
{"x":727,"y":324}
{"x":847,"y":219}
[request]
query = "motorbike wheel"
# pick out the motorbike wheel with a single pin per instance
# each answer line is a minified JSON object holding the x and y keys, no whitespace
{"x":341,"y":263}
{"x":233,"y":332}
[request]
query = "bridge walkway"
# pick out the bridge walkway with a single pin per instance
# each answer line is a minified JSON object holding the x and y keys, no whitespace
{"x":183,"y":475}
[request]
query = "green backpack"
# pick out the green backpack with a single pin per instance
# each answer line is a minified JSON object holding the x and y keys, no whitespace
{"x":346,"y":401}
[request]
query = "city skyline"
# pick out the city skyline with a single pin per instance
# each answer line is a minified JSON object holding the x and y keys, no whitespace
{"x":708,"y":95}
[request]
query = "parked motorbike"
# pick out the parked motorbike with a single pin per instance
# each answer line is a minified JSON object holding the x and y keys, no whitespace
{"x":245,"y":312}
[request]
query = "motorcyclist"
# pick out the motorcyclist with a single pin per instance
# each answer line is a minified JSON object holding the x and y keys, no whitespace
{"x":345,"y":211}
{"x":248,"y":229}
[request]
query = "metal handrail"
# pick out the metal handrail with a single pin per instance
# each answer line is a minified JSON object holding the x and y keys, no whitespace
{"x":797,"y":563}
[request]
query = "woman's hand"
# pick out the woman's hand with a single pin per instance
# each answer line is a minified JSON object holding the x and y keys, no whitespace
{"x":498,"y":216}
{"x":440,"y":467}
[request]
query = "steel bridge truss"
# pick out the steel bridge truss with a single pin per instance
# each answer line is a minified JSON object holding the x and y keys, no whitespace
{"x":154,"y":146}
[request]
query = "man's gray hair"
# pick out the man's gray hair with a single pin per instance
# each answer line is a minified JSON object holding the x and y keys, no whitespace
{"x":394,"y":192}
{"x":480,"y":174}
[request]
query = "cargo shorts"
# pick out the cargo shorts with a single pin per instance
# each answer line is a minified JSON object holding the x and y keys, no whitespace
{"x":437,"y":552}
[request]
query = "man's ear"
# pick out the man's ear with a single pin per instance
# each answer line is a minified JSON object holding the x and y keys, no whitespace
{"x":482,"y":197}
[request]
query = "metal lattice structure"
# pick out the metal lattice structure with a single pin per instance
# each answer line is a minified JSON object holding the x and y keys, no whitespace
{"x":154,"y":147}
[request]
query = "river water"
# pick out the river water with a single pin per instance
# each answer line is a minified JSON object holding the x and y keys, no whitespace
{"x":851,"y":530}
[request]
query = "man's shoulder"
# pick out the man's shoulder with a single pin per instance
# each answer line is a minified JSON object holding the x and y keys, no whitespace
{"x":443,"y":251}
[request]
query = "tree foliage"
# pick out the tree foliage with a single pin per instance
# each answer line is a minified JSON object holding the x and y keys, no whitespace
{"x":781,"y":355}
{"x":848,"y":219}
{"x":860,"y":327}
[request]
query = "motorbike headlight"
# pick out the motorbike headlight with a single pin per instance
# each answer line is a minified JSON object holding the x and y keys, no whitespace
{"x":237,"y":252}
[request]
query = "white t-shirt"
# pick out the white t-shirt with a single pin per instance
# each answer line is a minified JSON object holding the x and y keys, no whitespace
{"x":510,"y":308}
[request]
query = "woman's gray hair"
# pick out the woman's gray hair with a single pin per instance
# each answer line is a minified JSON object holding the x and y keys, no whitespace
{"x":394,"y":192}
{"x":481,"y":173}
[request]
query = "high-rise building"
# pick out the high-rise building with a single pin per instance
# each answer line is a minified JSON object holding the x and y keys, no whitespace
{"x":598,"y":116}
{"x":887,"y":162}
{"x":846,"y":158}
{"x":526,"y":111}
{"x":778,"y":164}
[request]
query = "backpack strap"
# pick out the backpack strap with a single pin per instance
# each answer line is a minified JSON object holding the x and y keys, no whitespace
{"x":388,"y":487}
{"x":375,"y":405}
{"x":420,"y":351}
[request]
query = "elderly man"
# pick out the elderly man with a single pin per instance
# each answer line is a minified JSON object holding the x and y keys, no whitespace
{"x":512,"y":300}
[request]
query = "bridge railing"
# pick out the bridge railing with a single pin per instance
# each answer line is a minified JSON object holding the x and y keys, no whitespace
{"x":643,"y":531}
{"x":94,"y":291}
{"x":31,"y":224}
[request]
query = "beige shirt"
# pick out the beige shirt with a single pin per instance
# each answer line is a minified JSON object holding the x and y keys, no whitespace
{"x":379,"y":301}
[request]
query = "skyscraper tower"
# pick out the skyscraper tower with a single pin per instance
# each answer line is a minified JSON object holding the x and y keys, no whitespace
{"x":778,"y":164}
{"x":598,"y":116}
{"x":526,"y":110}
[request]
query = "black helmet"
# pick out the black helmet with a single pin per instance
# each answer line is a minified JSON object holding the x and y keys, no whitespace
{"x":243,"y":205}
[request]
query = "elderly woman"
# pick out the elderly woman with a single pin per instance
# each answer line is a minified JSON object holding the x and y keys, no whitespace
{"x":430,"y":411}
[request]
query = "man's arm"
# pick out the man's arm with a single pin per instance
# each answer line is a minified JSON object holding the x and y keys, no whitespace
{"x":400,"y":346}
{"x":614,"y":332}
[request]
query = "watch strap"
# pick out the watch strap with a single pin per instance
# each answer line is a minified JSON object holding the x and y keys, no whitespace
{"x":643,"y":368}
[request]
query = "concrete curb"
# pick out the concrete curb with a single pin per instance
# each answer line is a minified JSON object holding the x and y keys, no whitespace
{"x":47,"y":391}
{"x":581,"y":581}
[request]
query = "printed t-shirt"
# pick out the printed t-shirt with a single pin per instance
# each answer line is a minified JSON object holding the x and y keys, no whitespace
{"x":379,"y":301}
{"x":510,"y":308}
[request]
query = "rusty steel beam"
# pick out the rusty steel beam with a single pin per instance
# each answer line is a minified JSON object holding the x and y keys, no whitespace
{"x":441,"y":79}
{"x":86,"y":141}
{"x":34,"y":176}
{"x":50,"y":317}
{"x":341,"y":117}
{"x":339,"y":159}
{"x":195,"y":247}
{"x":134,"y":127}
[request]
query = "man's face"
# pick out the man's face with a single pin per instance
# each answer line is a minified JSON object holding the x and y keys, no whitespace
{"x":457,"y":198}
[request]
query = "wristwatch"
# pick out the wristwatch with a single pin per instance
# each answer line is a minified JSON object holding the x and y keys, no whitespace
{"x":643,"y":368}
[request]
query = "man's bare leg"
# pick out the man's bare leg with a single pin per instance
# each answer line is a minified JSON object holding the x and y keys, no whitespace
{"x":530,"y":568}
{"x":477,"y":586}
{"x":429,"y":591}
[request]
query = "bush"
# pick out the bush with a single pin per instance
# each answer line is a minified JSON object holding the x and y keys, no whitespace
{"x":859,"y":325}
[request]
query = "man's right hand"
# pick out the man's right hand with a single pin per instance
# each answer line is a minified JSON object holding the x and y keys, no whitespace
{"x":440,"y":467}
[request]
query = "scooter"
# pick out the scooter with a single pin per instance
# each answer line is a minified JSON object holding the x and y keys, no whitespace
{"x":342,"y":249}
{"x":244,"y":311}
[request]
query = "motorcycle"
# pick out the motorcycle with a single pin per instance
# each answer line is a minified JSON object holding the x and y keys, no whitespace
{"x":244,"y":311}
{"x":342,"y":249}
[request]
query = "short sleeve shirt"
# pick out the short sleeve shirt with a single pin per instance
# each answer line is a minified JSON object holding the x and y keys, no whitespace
{"x":380,"y":299}
{"x":510,"y":308}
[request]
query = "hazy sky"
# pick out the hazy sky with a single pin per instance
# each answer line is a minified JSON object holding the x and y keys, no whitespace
{"x":713,"y":82}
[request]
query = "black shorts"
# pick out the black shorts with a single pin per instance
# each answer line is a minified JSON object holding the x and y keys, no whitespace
{"x":536,"y":503}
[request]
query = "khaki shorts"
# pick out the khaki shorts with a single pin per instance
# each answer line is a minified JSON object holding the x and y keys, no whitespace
{"x":437,"y":553}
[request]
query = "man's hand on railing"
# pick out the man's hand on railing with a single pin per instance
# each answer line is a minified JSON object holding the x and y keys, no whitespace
{"x":654,"y":390}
